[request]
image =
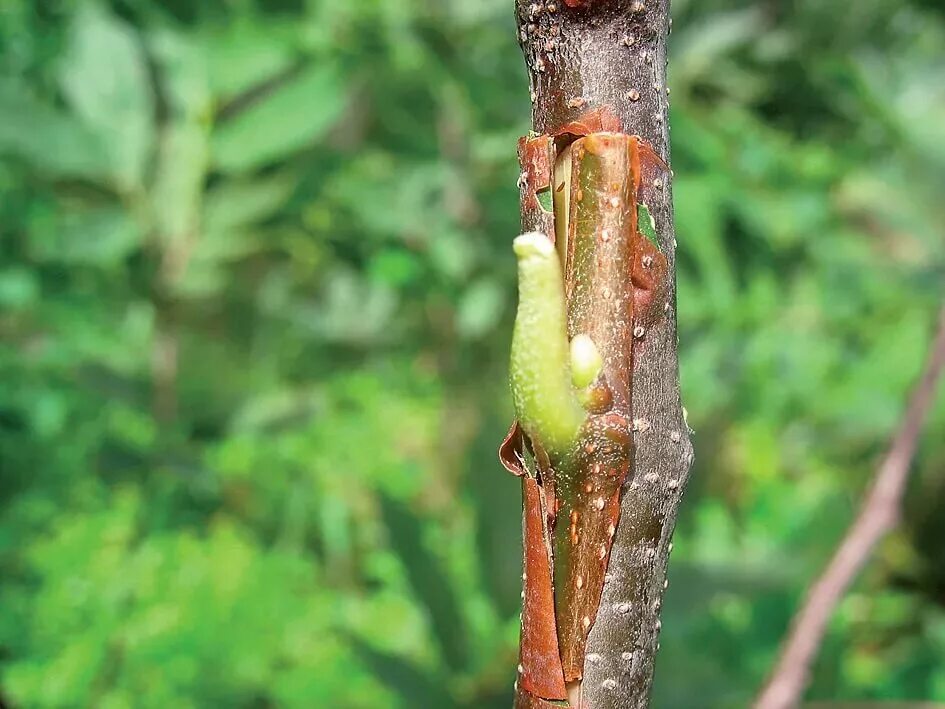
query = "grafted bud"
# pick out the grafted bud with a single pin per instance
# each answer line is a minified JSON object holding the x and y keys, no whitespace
{"x":545,"y":400}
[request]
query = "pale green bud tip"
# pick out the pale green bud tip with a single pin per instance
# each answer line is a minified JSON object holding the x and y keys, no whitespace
{"x":533,"y":244}
{"x":586,"y":361}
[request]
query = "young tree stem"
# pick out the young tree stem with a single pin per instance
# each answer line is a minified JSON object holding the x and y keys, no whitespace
{"x":611,"y":54}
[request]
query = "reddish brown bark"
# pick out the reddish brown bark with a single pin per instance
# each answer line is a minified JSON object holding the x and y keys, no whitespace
{"x":539,"y":661}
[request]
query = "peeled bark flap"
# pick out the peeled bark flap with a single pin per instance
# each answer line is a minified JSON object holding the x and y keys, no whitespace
{"x":527,"y":700}
{"x":539,"y":660}
{"x":536,"y":158}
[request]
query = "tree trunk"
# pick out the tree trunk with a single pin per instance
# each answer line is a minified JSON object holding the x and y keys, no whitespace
{"x":597,"y":71}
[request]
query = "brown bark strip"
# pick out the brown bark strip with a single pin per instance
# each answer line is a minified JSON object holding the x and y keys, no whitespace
{"x":583,"y":536}
{"x":539,"y":660}
{"x":600,"y":253}
{"x":878,"y":515}
{"x":536,"y":158}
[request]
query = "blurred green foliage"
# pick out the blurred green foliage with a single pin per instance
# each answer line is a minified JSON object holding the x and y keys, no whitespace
{"x":256,"y":291}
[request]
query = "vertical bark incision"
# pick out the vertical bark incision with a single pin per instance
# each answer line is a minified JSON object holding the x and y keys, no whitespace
{"x":597,"y":75}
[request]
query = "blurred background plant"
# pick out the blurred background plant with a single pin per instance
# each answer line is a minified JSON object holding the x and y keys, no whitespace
{"x":256,"y":295}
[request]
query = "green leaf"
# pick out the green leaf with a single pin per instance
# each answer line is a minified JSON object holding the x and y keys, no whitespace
{"x":480,"y":308}
{"x":18,"y":287}
{"x":699,"y":226}
{"x":51,"y":141}
{"x":294,"y":115}
{"x":100,"y":236}
{"x":237,"y":203}
{"x":452,"y":254}
{"x":185,"y":83}
{"x":395,"y":267}
{"x":352,"y":310}
{"x":242,"y":57}
{"x":209,"y":266}
{"x":105,"y":81}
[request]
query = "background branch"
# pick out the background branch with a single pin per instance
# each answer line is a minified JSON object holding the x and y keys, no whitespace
{"x":879,"y":514}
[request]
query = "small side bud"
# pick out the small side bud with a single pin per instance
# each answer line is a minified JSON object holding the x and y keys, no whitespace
{"x":586,"y":361}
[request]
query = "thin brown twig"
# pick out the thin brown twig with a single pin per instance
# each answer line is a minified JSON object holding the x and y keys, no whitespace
{"x":879,"y":514}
